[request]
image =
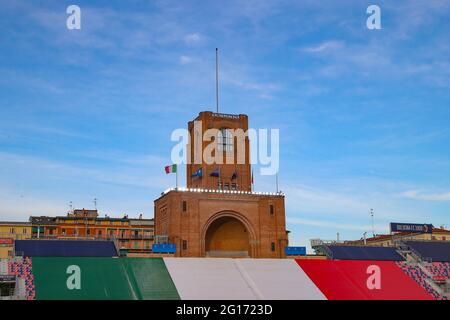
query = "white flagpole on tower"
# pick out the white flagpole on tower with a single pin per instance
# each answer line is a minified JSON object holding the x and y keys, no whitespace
{"x":217,"y":80}
{"x":276,"y":180}
{"x":176,"y":177}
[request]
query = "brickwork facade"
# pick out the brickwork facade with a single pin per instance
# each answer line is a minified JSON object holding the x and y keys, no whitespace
{"x":220,"y":215}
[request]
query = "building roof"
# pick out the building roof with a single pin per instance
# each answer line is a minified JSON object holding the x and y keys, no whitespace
{"x":15,"y":223}
{"x":42,"y":220}
{"x":441,"y":230}
{"x":381,"y":237}
{"x":142,"y":222}
{"x":90,"y":218}
{"x":221,"y":192}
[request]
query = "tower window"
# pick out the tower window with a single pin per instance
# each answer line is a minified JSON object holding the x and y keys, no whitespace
{"x":184,"y":244}
{"x":226,"y":140}
{"x":184,"y":206}
{"x":271,"y":210}
{"x":272,"y":245}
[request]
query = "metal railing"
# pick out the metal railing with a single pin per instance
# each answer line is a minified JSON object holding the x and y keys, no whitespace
{"x":161,"y":239}
{"x":15,"y":236}
{"x":414,"y":253}
{"x":320,"y":242}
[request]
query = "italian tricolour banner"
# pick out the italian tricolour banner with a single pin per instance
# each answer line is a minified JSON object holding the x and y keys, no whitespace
{"x":171,"y":169}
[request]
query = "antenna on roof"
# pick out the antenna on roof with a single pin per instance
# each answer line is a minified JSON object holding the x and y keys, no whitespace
{"x":95,"y":203}
{"x":70,"y":206}
{"x":217,"y":80}
{"x":373,"y":227}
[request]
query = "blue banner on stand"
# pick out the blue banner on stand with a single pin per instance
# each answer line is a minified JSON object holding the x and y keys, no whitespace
{"x":411,"y":227}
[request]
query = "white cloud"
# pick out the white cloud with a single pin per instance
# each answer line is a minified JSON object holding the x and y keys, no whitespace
{"x":336,"y":225}
{"x":418,"y":195}
{"x":18,"y":207}
{"x":324,"y":46}
{"x":132,"y":171}
{"x":306,"y":198}
{"x":192,"y":38}
{"x":185,"y":60}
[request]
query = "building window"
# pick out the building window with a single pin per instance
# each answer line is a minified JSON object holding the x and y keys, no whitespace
{"x":11,"y":230}
{"x":100,"y":233}
{"x":88,"y":232}
{"x":184,"y":206}
{"x":24,"y":231}
{"x":227,"y":186}
{"x":63,"y":232}
{"x":233,"y":186}
{"x":184,"y":245}
{"x":272,"y":246}
{"x":219,"y":185}
{"x":271,"y":210}
{"x":226,"y":141}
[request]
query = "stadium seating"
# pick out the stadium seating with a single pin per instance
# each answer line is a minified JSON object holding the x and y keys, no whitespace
{"x":65,"y":248}
{"x":104,"y":279}
{"x":439,"y":270}
{"x":235,"y":279}
{"x":418,"y":275}
{"x":437,"y":251}
{"x":22,"y":268}
{"x":342,"y":252}
{"x":354,"y":280}
{"x":45,"y":278}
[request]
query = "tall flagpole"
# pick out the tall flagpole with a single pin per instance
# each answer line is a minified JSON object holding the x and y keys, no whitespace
{"x":276,"y":177}
{"x":176,"y":178}
{"x":217,"y":80}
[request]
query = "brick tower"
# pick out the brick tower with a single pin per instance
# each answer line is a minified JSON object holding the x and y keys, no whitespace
{"x":218,"y":214}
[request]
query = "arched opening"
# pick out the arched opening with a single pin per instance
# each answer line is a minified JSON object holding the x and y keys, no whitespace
{"x":227,"y":237}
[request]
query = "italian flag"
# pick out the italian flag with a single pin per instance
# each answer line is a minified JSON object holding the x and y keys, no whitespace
{"x":171,"y":169}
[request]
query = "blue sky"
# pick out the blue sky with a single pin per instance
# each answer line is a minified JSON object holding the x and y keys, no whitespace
{"x":364,"y":115}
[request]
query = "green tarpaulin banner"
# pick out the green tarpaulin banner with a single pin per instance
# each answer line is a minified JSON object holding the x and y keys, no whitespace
{"x":102,"y":278}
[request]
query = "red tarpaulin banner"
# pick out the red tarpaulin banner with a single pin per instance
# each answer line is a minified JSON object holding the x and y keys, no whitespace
{"x":6,"y":241}
{"x":362,"y":280}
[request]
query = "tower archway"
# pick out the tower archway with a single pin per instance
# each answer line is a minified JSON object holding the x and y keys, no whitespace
{"x":228,"y":234}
